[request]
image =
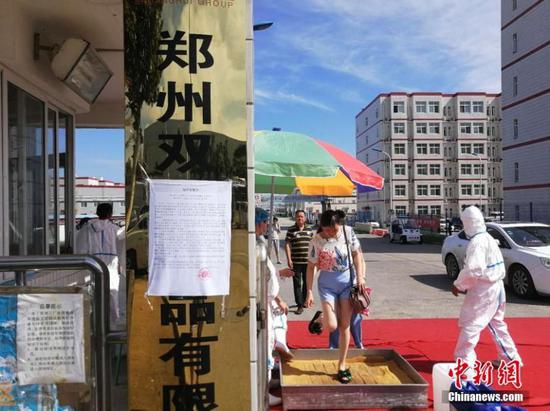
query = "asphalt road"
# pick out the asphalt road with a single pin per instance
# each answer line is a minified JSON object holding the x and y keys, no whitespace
{"x":409,"y":281}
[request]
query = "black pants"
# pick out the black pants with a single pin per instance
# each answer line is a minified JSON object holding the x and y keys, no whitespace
{"x":300,"y":284}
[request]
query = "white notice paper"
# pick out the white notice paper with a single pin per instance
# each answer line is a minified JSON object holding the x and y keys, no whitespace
{"x":189,"y":237}
{"x":50,"y":338}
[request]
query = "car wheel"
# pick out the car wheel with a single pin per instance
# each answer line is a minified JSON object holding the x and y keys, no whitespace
{"x":521,"y":282}
{"x":391,"y":238}
{"x":403,"y":240}
{"x":452,"y":267}
{"x":421,"y":241}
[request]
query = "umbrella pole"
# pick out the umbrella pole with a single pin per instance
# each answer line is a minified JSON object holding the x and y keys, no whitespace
{"x":271,"y":206}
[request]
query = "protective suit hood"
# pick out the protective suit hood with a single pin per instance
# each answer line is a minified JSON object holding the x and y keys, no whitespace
{"x":473,"y":221}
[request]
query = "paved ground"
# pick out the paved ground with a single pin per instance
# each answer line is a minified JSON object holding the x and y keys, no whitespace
{"x":409,"y":281}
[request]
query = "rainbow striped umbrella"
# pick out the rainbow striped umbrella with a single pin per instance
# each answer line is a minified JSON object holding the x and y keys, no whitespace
{"x":296,"y":161}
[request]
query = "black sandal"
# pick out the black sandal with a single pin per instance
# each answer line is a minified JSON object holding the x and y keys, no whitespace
{"x":315,"y":326}
{"x":344,"y":376}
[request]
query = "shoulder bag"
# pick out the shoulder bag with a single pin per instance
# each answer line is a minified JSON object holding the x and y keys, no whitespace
{"x":359,"y":297}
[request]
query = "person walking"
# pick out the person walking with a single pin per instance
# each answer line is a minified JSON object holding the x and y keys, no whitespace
{"x":481,"y":280}
{"x":275,"y":230}
{"x":102,"y":238}
{"x":297,"y":241}
{"x":329,"y":251}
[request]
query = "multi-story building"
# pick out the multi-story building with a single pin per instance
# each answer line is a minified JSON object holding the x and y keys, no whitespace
{"x":438,"y":153}
{"x":525,"y":43}
{"x":90,"y":191}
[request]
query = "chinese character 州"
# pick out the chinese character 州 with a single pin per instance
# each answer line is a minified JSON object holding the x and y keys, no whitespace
{"x":173,"y":54}
{"x":186,"y":99}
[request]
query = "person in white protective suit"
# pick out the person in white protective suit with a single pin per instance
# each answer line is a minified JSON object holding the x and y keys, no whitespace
{"x":102,"y":238}
{"x":277,"y":308}
{"x":484,"y":304}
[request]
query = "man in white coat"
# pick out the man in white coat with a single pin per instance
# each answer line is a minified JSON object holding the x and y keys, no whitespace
{"x":102,"y":238}
{"x":484,"y":305}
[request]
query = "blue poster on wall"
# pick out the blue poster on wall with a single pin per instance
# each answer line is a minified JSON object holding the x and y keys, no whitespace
{"x":15,"y":397}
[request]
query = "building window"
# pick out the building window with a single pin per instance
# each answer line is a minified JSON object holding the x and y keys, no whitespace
{"x":376,"y":113}
{"x":422,"y":169}
{"x":488,"y":131}
{"x":514,"y":43}
{"x":400,"y":210}
{"x":466,"y":169}
{"x":421,"y":148}
{"x":516,"y":128}
{"x":435,"y":190}
{"x":445,"y":131}
{"x":435,"y":169}
{"x":466,"y":128}
{"x":465,"y":148}
{"x":445,"y":154}
{"x":446,"y":192}
{"x":398,"y":106}
{"x":399,"y":128}
{"x":516,"y":212}
{"x":84,"y":204}
{"x":421,"y":128}
{"x":435,"y":210}
{"x":367,"y":140}
{"x":366,"y":121}
{"x":421,"y":107}
{"x":423,"y":210}
{"x":466,"y":189}
{"x":26,"y":173}
{"x":465,"y":107}
{"x":399,"y":148}
{"x":479,"y":148}
{"x":422,"y":190}
{"x":515,"y":6}
{"x":516,"y":172}
{"x":434,"y":128}
{"x":479,"y":169}
{"x":400,"y":191}
{"x":399,"y":169}
{"x":515,"y":86}
{"x":476,"y":190}
{"x":478,"y":128}
{"x":433,"y":106}
{"x":435,"y":148}
{"x":477,"y":106}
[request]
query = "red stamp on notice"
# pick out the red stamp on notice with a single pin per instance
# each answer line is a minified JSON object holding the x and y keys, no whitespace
{"x":204,"y":274}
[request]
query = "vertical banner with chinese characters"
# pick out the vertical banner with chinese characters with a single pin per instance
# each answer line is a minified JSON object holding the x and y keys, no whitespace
{"x":185,"y":66}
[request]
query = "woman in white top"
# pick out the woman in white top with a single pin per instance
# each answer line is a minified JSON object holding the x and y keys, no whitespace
{"x":328,"y":252}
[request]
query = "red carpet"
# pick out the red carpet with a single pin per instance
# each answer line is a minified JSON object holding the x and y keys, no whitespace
{"x":424,"y":342}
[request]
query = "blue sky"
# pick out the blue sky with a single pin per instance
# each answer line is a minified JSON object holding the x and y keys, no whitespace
{"x":324,"y":60}
{"x":100,"y":153}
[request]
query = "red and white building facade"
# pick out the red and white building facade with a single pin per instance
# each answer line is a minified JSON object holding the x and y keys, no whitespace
{"x":90,"y":191}
{"x":525,"y":44}
{"x":445,"y":152}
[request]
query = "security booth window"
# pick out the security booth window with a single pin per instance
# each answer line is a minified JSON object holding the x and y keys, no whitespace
{"x":38,"y":137}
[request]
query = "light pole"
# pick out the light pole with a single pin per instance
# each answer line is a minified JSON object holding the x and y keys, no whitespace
{"x":478,"y":155}
{"x":390,"y":179}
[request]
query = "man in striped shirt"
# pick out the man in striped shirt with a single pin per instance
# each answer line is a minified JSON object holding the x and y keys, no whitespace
{"x":297,"y":241}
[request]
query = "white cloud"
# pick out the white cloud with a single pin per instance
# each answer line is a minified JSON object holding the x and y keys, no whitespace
{"x":282,"y":96}
{"x":401,"y":44}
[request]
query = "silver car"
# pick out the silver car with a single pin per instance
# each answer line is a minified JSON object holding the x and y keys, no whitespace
{"x":526,"y":251}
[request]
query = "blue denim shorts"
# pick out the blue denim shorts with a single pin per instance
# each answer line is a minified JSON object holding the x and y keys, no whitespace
{"x":334,"y":285}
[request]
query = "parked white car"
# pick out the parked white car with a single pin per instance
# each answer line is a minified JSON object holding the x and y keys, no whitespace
{"x":526,"y":251}
{"x":374,"y":224}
